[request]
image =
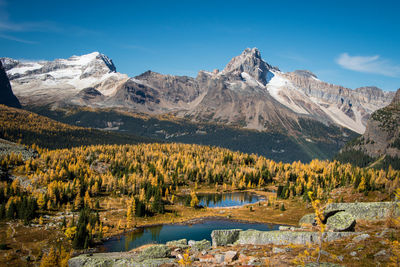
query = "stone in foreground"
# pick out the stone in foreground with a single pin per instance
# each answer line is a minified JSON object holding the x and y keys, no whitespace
{"x":341,"y":221}
{"x":365,"y":210}
{"x":224,"y":237}
{"x":254,"y":237}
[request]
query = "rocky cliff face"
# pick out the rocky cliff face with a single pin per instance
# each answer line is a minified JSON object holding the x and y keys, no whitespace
{"x":382,"y":134}
{"x":248,"y":92}
{"x":6,"y":94}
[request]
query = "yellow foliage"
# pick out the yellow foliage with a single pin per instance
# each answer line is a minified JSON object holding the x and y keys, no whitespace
{"x":186,"y":260}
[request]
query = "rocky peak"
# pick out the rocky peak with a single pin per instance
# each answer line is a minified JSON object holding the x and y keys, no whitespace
{"x":249,"y":61}
{"x":8,"y":63}
{"x":108,"y":61}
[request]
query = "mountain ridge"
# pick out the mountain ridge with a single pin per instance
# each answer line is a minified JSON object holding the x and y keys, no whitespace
{"x":248,"y":92}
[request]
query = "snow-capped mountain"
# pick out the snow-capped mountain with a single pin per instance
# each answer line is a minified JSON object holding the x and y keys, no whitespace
{"x":248,"y":93}
{"x":42,"y":82}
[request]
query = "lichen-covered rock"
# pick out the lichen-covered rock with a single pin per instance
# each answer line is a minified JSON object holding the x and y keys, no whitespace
{"x":200,"y":245}
{"x":341,"y":221}
{"x":115,"y":259}
{"x":153,"y":252}
{"x":254,"y":237}
{"x":365,"y":210}
{"x":307,"y":220}
{"x":224,"y":237}
{"x":181,"y":243}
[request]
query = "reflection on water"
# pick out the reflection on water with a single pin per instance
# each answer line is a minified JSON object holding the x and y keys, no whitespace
{"x":225,"y":199}
{"x":163,"y":233}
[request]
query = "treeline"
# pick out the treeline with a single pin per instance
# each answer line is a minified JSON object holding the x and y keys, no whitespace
{"x":151,"y":173}
{"x":360,"y":159}
{"x":29,"y":128}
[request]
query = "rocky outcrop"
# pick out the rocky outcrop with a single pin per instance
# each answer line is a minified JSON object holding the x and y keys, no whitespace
{"x":181,"y":243}
{"x":224,"y":237}
{"x":116,"y":259}
{"x":7,"y":147}
{"x":155,"y":255}
{"x":199,"y":245}
{"x":341,"y":221}
{"x":7,"y":96}
{"x":254,"y":237}
{"x":365,"y":210}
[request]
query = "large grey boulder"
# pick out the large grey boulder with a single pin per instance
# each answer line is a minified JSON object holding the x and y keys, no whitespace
{"x":153,"y":252}
{"x":308,"y":220}
{"x":254,"y":237}
{"x":224,"y":237}
{"x":341,"y":221}
{"x":365,"y":210}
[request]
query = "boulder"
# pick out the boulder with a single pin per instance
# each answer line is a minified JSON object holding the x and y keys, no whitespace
{"x":154,"y":252}
{"x":200,"y":245}
{"x":341,"y":221}
{"x":224,"y":237}
{"x":181,"y":243}
{"x":254,"y":237}
{"x":307,"y":220}
{"x":365,"y":210}
{"x":231,"y":256}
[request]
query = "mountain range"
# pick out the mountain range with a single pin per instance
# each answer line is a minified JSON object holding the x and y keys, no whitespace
{"x":247,"y":95}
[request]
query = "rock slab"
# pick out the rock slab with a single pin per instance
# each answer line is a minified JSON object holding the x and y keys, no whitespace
{"x":341,"y":221}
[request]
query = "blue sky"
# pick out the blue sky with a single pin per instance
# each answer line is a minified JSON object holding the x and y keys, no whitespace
{"x":351,"y":43}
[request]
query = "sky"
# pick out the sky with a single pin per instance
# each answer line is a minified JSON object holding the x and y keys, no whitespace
{"x":349,"y":43}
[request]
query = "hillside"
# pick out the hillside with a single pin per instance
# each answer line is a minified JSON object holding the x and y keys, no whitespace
{"x":29,"y":128}
{"x":316,"y":141}
{"x":379,"y":146}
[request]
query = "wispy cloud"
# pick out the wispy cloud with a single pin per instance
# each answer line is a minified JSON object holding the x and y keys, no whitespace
{"x":16,"y":39}
{"x":369,"y":64}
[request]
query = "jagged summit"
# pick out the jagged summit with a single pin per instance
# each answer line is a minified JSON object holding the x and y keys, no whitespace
{"x":249,"y":61}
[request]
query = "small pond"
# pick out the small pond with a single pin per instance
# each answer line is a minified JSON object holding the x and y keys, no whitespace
{"x":163,"y":233}
{"x":230,"y":199}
